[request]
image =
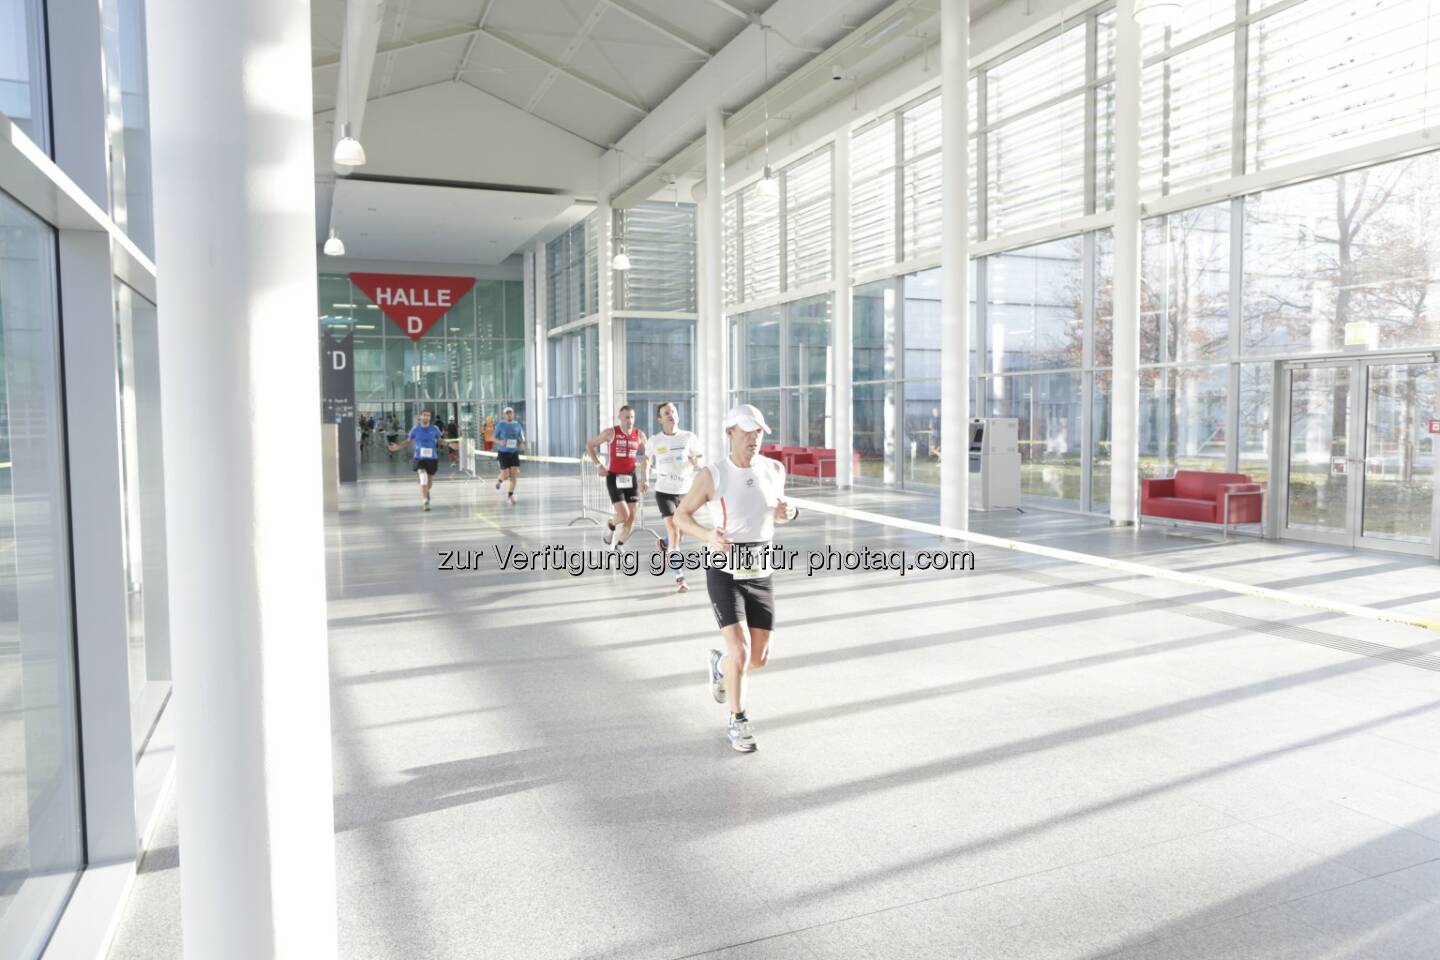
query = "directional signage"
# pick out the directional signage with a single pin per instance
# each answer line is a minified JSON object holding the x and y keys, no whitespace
{"x":413,"y":303}
{"x":337,"y":397}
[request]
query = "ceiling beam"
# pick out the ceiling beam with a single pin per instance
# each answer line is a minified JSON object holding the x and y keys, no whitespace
{"x":733,"y":10}
{"x":666,"y":31}
{"x":504,"y":41}
{"x":470,"y":47}
{"x":571,"y":48}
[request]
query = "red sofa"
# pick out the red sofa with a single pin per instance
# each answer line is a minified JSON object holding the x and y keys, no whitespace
{"x":815,"y":462}
{"x":1199,"y":496}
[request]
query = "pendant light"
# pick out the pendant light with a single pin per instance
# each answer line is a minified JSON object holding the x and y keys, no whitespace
{"x":334,"y":247}
{"x":620,"y":261}
{"x":769,"y":185}
{"x":348,"y":151}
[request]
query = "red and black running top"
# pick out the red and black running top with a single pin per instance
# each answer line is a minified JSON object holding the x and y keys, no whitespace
{"x":623,"y":449}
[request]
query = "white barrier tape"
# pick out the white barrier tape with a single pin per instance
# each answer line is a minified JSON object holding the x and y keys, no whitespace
{"x":1126,"y":566}
{"x":494,"y":454}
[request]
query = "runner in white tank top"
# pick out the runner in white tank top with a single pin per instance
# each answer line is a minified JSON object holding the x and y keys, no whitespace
{"x":747,"y":493}
{"x":675,"y":454}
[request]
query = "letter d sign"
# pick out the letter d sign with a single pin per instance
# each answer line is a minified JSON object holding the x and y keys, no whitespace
{"x":338,"y":360}
{"x":414,"y":325}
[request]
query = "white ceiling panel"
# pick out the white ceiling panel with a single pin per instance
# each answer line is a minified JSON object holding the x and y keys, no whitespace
{"x":429,"y":17}
{"x":701,"y":21}
{"x":643,"y":68}
{"x":392,"y":221}
{"x":573,"y":106}
{"x":549,"y":27}
{"x":504,"y":72}
{"x":417,"y":67}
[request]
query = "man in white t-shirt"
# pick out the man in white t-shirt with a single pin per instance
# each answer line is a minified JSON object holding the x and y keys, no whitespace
{"x":750,"y":491}
{"x":674,"y":455}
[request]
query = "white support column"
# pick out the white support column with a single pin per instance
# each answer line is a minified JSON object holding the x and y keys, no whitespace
{"x":701,"y":363}
{"x":844,"y":403}
{"x":235,"y":225}
{"x":605,"y":218}
{"x":536,"y":354}
{"x":1125,"y":387}
{"x":712,"y":309}
{"x":955,"y":265}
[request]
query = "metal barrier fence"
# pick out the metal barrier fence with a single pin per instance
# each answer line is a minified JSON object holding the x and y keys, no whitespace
{"x":595,"y":505}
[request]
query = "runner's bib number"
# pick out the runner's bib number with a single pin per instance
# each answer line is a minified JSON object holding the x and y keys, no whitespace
{"x":749,"y":563}
{"x":425,"y":453}
{"x":623,"y":481}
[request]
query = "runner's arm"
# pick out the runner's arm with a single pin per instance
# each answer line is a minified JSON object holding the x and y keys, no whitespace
{"x":644,"y":462}
{"x":701,"y":492}
{"x":604,"y":436}
{"x":783,"y":509}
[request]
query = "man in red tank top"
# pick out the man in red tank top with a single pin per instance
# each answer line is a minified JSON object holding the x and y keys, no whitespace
{"x":627,"y":444}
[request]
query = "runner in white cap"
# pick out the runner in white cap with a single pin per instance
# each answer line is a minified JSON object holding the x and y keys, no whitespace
{"x":675,"y":454}
{"x":749,"y":490}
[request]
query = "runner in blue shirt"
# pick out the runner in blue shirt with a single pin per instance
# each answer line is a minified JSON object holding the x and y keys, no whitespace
{"x":427,"y":440}
{"x":509,"y":441}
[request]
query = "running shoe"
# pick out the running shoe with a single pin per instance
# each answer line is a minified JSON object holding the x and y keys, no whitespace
{"x":662,"y":547}
{"x":680,"y":586}
{"x":608,"y":536}
{"x":740,"y":737}
{"x":497,"y":484}
{"x":511,"y":498}
{"x":427,"y":506}
{"x":717,"y":677}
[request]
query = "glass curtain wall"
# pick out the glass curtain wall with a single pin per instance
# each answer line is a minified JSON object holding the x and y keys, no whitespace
{"x":574,"y":390}
{"x":24,"y":80}
{"x":470,"y":365}
{"x":781,"y":359}
{"x":654,"y":325}
{"x":41,"y":840}
{"x":143,"y":513}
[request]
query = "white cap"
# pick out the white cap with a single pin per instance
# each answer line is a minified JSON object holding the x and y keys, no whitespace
{"x":747,"y":417}
{"x":508,"y":410}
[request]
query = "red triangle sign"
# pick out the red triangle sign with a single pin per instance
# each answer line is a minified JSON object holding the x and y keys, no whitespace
{"x":413,"y":302}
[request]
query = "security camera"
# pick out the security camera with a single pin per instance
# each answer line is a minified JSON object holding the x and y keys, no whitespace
{"x":837,"y":72}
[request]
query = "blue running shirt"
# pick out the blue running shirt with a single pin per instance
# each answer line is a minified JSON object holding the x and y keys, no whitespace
{"x":508,"y":434}
{"x":427,"y":441}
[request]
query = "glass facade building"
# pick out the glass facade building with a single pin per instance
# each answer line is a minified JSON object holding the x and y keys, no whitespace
{"x":470,"y":365}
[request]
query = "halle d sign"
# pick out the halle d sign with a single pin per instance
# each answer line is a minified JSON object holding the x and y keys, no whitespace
{"x":413,"y":303}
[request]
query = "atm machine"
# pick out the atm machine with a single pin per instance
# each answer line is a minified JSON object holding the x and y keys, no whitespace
{"x":995,"y":463}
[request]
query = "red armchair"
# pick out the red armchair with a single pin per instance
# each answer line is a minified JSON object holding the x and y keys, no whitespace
{"x":1199,"y":496}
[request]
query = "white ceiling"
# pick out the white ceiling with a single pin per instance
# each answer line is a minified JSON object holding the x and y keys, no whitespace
{"x":561,"y":97}
{"x":591,"y":67}
{"x":435,"y":224}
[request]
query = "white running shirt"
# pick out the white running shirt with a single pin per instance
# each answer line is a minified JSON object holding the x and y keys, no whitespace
{"x":670,"y":454}
{"x":746,"y":498}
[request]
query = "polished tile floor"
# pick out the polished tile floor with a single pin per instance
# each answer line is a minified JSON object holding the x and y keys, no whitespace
{"x":1032,"y":760}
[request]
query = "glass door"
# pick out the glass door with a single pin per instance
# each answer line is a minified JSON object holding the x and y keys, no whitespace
{"x":1359,"y":455}
{"x":1320,"y":468}
{"x":1398,"y":492}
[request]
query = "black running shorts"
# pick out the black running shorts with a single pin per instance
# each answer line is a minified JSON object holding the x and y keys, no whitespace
{"x":668,"y":502}
{"x":508,"y":459}
{"x":734,"y":600}
{"x":630,"y":494}
{"x":429,"y":466}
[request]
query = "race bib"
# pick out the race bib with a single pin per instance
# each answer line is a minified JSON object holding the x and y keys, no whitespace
{"x":624,"y":481}
{"x":748,"y":564}
{"x":424,"y":453}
